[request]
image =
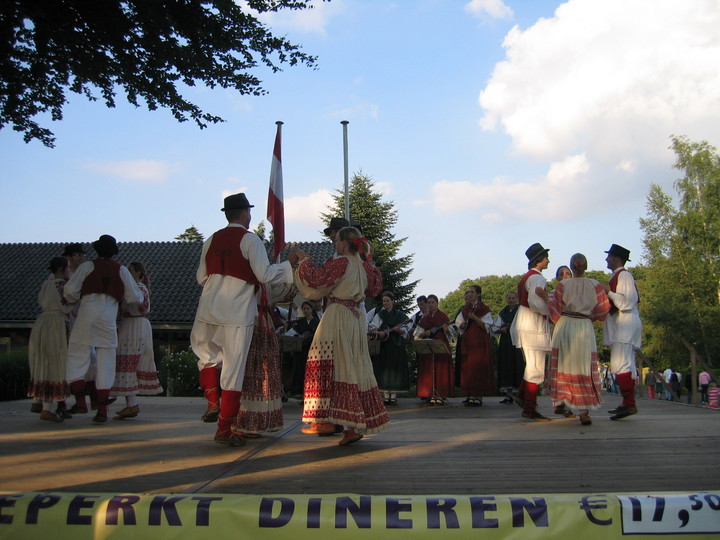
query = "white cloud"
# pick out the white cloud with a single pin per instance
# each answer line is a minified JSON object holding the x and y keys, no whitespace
{"x":306,"y":209}
{"x":571,"y":189}
{"x":355,"y":110}
{"x":608,"y":75}
{"x":494,"y":9}
{"x":314,"y":20}
{"x":143,"y":170}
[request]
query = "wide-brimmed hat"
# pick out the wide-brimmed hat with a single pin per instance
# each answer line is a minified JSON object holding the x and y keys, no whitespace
{"x":534,"y":251}
{"x":106,"y":245}
{"x":237,"y":201}
{"x":336,"y":224}
{"x":619,"y":251}
{"x":71,"y":249}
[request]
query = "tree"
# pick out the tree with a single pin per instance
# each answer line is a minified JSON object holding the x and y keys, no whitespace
{"x":146,"y":48}
{"x":191,"y":234}
{"x":260,"y":230}
{"x":377,"y":217}
{"x":682,"y":252}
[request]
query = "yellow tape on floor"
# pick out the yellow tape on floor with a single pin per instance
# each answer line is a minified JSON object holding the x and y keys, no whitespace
{"x":79,"y":516}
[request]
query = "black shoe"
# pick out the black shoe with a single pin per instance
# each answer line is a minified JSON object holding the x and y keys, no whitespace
{"x":211,"y":415}
{"x":623,"y":412}
{"x":562,"y":410}
{"x":507,"y":400}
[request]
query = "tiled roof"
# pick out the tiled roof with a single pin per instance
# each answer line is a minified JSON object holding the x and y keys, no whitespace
{"x":174,"y":292}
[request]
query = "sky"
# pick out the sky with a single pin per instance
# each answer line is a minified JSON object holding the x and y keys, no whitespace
{"x":490,"y":124}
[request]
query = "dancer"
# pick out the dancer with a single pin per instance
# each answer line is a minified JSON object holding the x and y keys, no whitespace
{"x":531,"y":332}
{"x":340,"y":387}
{"x":135,"y":372}
{"x":574,"y":379}
{"x":233,"y":264}
{"x":47,"y":350}
{"x":623,"y":329}
{"x":100,"y":285}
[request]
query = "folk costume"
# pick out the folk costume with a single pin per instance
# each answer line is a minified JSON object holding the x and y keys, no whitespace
{"x":435,"y":371}
{"x":510,"y":364}
{"x":233,"y":264}
{"x":574,"y":378}
{"x":477,"y":376}
{"x":391,"y":366}
{"x":47,"y":349}
{"x":261,"y":404}
{"x":135,"y":371}
{"x":623,"y":328}
{"x":340,"y":387}
{"x":100,"y":286}
{"x":530,"y":331}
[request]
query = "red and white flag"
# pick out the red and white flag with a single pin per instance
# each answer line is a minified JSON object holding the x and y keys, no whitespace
{"x":275,"y":205}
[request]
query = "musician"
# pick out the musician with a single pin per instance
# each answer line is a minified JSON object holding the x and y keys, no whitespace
{"x":303,"y":327}
{"x":391,"y":365}
{"x":436,"y":377}
{"x":476,"y":362}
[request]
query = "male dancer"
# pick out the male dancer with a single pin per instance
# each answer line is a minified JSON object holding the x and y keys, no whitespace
{"x":623,"y":329}
{"x":530,"y":331}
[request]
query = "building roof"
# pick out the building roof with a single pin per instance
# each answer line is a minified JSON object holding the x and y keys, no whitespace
{"x":174,"y":291}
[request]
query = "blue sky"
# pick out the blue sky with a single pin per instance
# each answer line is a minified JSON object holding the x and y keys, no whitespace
{"x":490,"y":124}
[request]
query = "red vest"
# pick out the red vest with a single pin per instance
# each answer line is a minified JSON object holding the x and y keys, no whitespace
{"x":613,"y":287}
{"x":104,"y":279}
{"x":224,"y":256}
{"x":522,"y":291}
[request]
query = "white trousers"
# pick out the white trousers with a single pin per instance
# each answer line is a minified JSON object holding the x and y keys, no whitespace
{"x":622,"y":359}
{"x":534,"y":365}
{"x":79,"y":359}
{"x":225,"y":346}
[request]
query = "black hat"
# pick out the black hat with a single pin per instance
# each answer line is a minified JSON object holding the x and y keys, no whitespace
{"x":71,"y":249}
{"x":105,"y":246}
{"x":619,"y":251}
{"x":336,"y":224}
{"x":534,"y":251}
{"x":237,"y":201}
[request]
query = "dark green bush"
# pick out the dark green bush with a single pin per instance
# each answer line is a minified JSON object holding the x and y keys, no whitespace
{"x":15,"y":374}
{"x":178,"y":374}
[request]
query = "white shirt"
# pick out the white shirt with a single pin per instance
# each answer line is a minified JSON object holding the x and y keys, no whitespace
{"x":229,"y":301}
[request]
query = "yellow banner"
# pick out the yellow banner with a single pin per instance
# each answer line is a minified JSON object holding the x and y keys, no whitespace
{"x":79,"y":516}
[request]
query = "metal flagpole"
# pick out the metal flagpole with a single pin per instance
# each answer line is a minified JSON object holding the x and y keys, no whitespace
{"x":345,"y":155}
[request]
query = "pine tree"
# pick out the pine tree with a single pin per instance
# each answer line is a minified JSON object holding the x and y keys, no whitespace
{"x":191,"y":234}
{"x":377,"y":218}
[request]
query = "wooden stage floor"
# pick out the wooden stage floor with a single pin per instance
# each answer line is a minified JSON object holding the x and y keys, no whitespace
{"x":426,"y":450}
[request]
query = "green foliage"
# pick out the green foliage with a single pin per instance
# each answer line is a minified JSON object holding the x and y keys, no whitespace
{"x":178,"y":374}
{"x":260,"y":230}
{"x":15,"y":374}
{"x":191,"y":234}
{"x":147,"y":49}
{"x":681,"y":281}
{"x":494,"y":293}
{"x":377,"y":218}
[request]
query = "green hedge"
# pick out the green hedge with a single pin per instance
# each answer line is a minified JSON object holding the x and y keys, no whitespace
{"x":15,"y":374}
{"x":178,"y":374}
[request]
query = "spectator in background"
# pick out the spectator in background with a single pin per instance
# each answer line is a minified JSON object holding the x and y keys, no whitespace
{"x":650,"y":381}
{"x":704,"y":383}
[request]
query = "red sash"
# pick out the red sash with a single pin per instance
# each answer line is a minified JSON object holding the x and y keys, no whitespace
{"x":225,"y":258}
{"x":104,"y":279}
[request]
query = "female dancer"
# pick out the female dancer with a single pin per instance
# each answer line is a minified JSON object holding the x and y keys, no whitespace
{"x":476,"y":362}
{"x":340,"y":387}
{"x":135,"y":371}
{"x":47,"y":349}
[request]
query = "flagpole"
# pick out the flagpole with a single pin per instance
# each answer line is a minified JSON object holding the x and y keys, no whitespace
{"x":345,"y":156}
{"x":276,"y":209}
